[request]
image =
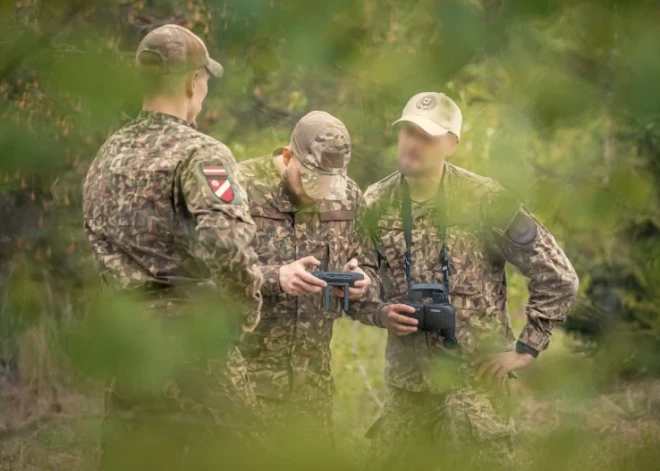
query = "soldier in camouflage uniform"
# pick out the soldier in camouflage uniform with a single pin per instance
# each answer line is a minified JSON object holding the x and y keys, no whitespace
{"x":169,"y":223}
{"x":448,"y":406}
{"x":304,"y":207}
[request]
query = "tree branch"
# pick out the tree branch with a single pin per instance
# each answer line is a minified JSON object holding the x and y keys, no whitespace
{"x":33,"y":44}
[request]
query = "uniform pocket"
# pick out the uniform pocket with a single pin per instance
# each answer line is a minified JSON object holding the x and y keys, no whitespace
{"x":274,"y":241}
{"x":482,"y":416}
{"x":338,"y":234}
{"x":278,"y":306}
{"x":466,"y":258}
{"x":392,"y":242}
{"x":392,"y":249}
{"x":485,"y":429}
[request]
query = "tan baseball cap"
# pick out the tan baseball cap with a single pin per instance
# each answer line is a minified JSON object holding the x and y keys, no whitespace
{"x":435,"y":113}
{"x":322,"y":145}
{"x":172,"y":49}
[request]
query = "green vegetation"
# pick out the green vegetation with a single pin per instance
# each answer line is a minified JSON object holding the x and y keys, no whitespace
{"x":561,"y":104}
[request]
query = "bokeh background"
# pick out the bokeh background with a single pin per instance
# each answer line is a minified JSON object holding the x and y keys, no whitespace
{"x":561,"y":103}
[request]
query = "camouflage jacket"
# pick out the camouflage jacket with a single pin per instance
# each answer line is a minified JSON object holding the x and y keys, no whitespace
{"x":154,"y":222}
{"x":478,"y":213}
{"x":166,"y":218}
{"x":288,"y":353}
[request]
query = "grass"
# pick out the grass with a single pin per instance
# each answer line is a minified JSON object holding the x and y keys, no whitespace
{"x":567,"y":419}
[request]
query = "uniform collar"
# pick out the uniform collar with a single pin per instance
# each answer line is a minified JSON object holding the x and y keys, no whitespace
{"x":155,"y":117}
{"x":429,"y":206}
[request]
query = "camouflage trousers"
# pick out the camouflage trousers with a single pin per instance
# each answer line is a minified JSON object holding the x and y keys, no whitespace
{"x":202,"y":420}
{"x":460,"y":429}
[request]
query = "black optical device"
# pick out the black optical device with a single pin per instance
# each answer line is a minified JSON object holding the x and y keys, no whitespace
{"x":436,"y":316}
{"x":345,"y":279}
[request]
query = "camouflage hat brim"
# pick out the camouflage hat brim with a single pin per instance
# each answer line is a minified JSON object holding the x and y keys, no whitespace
{"x":428,"y":126}
{"x":215,"y":68}
{"x":323,"y":187}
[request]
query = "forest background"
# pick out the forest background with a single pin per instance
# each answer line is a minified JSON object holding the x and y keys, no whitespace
{"x":561,"y":104}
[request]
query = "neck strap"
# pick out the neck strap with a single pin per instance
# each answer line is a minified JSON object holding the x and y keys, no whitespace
{"x":406,"y":216}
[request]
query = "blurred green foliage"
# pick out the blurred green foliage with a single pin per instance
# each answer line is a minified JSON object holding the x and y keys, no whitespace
{"x":560,"y":101}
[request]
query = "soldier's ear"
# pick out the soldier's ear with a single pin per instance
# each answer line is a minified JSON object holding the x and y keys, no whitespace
{"x":287,"y":155}
{"x":453,"y":143}
{"x":191,"y":84}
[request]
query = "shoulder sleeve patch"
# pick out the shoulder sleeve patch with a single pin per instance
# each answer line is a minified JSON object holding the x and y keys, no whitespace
{"x":510,"y":218}
{"x":523,"y":229}
{"x":218,"y":180}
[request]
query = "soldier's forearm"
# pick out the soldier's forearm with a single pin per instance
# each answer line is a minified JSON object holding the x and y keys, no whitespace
{"x":233,"y":266}
{"x":535,"y":335}
{"x":553,"y":283}
{"x":548,"y":305}
{"x":367,"y":310}
{"x":241,"y":289}
{"x":367,"y":313}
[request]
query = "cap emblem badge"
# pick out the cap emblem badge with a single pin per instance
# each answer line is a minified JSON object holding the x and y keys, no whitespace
{"x":427,"y":102}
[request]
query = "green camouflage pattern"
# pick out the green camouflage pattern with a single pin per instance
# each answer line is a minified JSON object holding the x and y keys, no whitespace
{"x":466,"y":428}
{"x":155,"y":225}
{"x":288,"y":353}
{"x":479,"y":241}
{"x":159,"y":232}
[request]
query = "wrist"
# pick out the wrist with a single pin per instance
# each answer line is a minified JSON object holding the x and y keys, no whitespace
{"x":272,"y":280}
{"x":382,"y":315}
{"x":525,"y":349}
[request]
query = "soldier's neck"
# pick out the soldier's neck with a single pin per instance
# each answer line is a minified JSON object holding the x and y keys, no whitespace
{"x":280,"y":166}
{"x":166,"y":105}
{"x":424,"y":187}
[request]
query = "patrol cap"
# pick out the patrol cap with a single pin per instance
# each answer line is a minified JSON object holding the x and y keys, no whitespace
{"x":435,"y":113}
{"x":322,"y":145}
{"x":171,"y":49}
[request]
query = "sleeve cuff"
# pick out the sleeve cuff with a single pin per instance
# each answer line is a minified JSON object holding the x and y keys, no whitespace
{"x":367,"y":313}
{"x":522,"y":348}
{"x":271,"y":285}
{"x":377,"y":319}
{"x":534,"y":338}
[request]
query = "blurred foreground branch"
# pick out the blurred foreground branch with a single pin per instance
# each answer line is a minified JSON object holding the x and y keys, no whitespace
{"x":30,"y":44}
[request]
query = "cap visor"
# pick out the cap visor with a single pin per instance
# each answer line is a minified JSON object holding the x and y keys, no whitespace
{"x":323,"y":187}
{"x":215,"y":68}
{"x":428,"y":126}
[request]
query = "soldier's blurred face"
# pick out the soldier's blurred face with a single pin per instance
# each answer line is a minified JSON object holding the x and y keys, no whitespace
{"x":198,"y":88}
{"x":420,"y":153}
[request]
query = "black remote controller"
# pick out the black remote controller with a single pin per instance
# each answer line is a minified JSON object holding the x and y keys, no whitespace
{"x":345,"y":279}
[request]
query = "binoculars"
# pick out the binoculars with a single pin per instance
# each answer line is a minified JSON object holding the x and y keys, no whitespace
{"x":436,"y":316}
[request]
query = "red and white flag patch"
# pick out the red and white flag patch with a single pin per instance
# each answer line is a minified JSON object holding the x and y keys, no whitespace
{"x":218,"y":180}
